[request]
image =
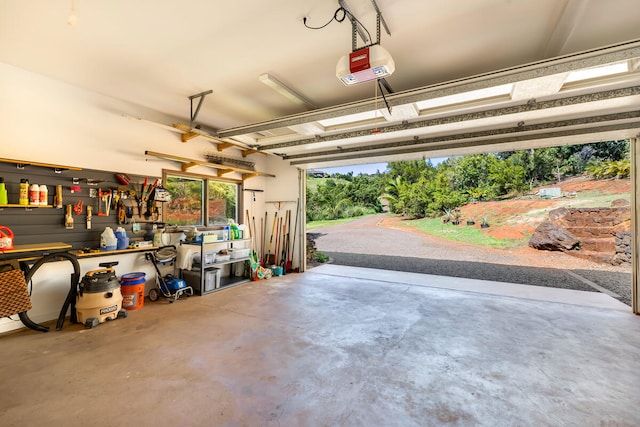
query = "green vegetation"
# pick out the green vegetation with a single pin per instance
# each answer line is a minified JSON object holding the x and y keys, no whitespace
{"x":461,"y":233}
{"x":343,"y":196}
{"x":418,"y":189}
{"x":594,"y":199}
{"x":610,"y":169}
{"x":321,"y":257}
{"x":327,"y":222}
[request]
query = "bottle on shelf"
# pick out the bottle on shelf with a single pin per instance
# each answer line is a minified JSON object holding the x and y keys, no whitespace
{"x":3,"y":192}
{"x":23,"y":198}
{"x":34,"y":195}
{"x":44,"y":195}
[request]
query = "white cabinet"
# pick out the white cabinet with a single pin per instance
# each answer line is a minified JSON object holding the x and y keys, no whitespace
{"x":212,"y":271}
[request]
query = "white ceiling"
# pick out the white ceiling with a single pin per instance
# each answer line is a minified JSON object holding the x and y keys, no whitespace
{"x":157,"y":53}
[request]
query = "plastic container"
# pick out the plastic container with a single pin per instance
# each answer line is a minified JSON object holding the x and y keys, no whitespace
{"x":34,"y":194}
{"x":108,"y":240}
{"x":3,"y":193}
{"x":6,"y":238}
{"x":23,"y":198}
{"x":44,"y":195}
{"x":122,"y":239}
{"x":238,"y":253}
{"x":132,"y":286}
{"x":234,"y":233}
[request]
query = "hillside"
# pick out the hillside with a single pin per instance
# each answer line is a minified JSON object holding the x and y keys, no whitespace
{"x":518,"y":218}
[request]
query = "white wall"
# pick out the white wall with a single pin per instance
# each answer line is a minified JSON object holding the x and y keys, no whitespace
{"x":48,"y":121}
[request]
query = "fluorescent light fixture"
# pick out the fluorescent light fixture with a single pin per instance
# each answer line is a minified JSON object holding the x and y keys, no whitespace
{"x":285,"y":91}
{"x":595,"y":72}
{"x":460,"y":98}
{"x":351,"y":118}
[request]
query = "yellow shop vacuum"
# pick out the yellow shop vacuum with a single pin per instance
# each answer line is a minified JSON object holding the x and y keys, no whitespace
{"x":99,"y":298}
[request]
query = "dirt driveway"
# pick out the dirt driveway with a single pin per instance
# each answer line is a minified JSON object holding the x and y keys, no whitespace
{"x":376,"y":241}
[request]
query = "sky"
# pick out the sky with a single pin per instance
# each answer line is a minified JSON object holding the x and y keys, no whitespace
{"x":368,"y":169}
{"x":357,"y":169}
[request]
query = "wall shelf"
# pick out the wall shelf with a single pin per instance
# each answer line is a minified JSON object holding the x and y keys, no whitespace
{"x":28,"y":207}
{"x":21,"y":163}
{"x":222,"y":169}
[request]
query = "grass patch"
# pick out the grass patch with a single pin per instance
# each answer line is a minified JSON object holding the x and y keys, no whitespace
{"x":461,"y":233}
{"x":596,"y":199}
{"x":328,"y":222}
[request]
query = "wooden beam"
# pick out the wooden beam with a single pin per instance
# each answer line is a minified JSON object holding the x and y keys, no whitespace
{"x":222,"y":172}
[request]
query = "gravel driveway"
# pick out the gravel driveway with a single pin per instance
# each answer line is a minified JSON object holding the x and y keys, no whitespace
{"x":376,"y":241}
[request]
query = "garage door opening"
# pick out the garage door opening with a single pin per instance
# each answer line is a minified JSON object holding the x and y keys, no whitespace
{"x":582,"y":191}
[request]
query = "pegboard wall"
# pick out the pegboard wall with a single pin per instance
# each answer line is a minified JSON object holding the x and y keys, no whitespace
{"x":31,"y":224}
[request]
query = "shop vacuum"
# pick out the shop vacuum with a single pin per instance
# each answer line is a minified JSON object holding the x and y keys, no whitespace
{"x":99,"y":297}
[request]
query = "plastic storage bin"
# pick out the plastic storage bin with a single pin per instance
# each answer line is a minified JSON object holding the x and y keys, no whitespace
{"x":238,"y":253}
{"x":210,"y":283}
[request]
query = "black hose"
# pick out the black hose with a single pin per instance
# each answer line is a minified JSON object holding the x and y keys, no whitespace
{"x":72,"y":292}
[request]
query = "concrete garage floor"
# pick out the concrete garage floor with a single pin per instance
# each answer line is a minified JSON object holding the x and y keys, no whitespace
{"x":337,"y":346}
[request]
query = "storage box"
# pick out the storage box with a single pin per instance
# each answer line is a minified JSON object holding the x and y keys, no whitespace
{"x":221,"y":258}
{"x":209,"y":238}
{"x":238,"y":253}
{"x":209,"y":258}
{"x":211,"y":280}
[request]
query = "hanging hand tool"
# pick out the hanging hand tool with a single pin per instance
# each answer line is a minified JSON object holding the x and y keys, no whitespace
{"x":104,"y":197}
{"x":248,"y":222}
{"x":295,"y":231}
{"x":264,"y":240}
{"x":273,"y":228}
{"x":144,"y":186}
{"x":129,"y":213}
{"x":109,"y":197}
{"x":123,"y":178}
{"x":276,"y":250}
{"x":155,"y":211}
{"x":261,"y":246}
{"x":152,"y":188}
{"x":58,"y":198}
{"x":255,"y":238}
{"x":287,"y":265}
{"x":121,"y":213}
{"x":78,"y":207}
{"x":68,"y":219}
{"x":146,"y":197}
{"x":89,"y":209}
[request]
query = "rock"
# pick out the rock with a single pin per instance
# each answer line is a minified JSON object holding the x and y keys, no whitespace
{"x":550,"y":237}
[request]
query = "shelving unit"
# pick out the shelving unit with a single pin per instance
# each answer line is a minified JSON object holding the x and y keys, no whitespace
{"x":198,"y":276}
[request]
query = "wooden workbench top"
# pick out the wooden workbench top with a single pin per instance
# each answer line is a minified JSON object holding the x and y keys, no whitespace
{"x":36,"y":247}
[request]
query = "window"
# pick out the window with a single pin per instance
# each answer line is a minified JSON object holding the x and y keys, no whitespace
{"x":223,"y":202}
{"x":188,"y":193}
